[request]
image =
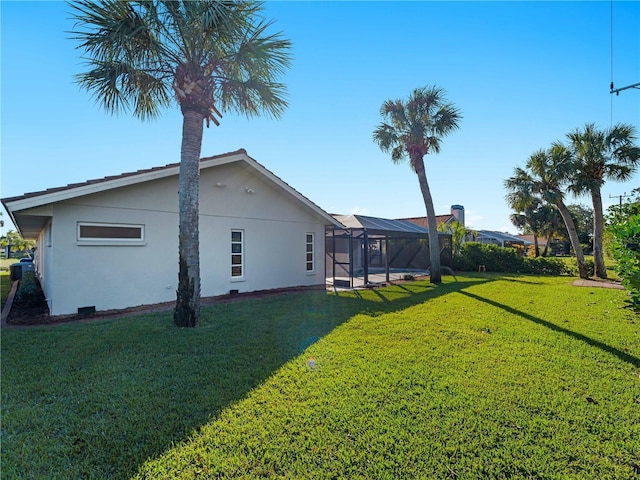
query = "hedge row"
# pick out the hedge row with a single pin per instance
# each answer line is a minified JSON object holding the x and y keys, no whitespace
{"x":494,"y":258}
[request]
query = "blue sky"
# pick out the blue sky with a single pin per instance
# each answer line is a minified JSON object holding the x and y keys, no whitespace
{"x":523,"y":75}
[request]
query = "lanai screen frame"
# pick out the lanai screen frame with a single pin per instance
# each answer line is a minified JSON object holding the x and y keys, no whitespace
{"x":363,"y":236}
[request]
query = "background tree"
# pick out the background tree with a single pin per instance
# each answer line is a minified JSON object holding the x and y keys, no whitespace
{"x":625,"y":208}
{"x":599,"y":156}
{"x":206,"y":57}
{"x":458,"y":233}
{"x":534,"y":216}
{"x":552,"y":225}
{"x":526,"y":217}
{"x":547,"y":171}
{"x":626,"y":251}
{"x":16,"y":242}
{"x":414,"y":128}
{"x":583,"y":219}
{"x":616,"y":214}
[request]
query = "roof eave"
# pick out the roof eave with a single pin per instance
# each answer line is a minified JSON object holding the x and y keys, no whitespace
{"x":38,"y":199}
{"x":292,"y":191}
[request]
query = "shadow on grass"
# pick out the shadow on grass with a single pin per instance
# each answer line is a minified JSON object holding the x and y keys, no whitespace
{"x":625,"y":357}
{"x":521,"y":279}
{"x":113,"y":393}
{"x":402,"y":295}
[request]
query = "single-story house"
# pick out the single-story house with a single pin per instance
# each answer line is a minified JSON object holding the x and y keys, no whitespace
{"x":112,"y":243}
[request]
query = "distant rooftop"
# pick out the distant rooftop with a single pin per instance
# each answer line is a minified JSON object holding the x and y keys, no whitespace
{"x":422,"y":221}
{"x":502,"y":236}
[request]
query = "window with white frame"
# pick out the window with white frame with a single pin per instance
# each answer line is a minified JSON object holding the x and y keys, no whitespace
{"x":237,"y":254}
{"x":310,"y":252}
{"x":109,"y":234}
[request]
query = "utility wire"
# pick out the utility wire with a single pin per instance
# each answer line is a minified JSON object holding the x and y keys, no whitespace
{"x":611,"y":44}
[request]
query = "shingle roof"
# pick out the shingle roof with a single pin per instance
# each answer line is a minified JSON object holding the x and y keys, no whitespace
{"x":422,"y":221}
{"x":109,"y":178}
{"x":542,"y":240}
{"x":14,"y":205}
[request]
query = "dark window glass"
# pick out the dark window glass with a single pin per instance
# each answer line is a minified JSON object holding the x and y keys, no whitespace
{"x":106,"y":231}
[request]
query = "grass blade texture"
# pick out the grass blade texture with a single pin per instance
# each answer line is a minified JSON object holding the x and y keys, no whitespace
{"x":481,"y":377}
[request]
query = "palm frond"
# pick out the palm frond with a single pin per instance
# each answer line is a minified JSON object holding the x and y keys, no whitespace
{"x":521,"y":190}
{"x":398,"y":155}
{"x":601,"y":155}
{"x":549,"y":170}
{"x":386,"y":137}
{"x":119,"y":87}
{"x":124,"y":56}
{"x":211,"y":54}
{"x":252,"y":96}
{"x":416,"y":126}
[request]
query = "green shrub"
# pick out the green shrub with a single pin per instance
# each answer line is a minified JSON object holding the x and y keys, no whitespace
{"x":626,"y":238}
{"x":28,"y":290}
{"x":546,"y":266}
{"x":508,"y":260}
{"x":571,"y":266}
{"x":493,"y":257}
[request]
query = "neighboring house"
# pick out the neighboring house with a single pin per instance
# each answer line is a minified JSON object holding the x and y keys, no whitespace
{"x":497,"y":238}
{"x":482,"y":236}
{"x":457,"y":214}
{"x":112,"y":243}
{"x":542,"y":240}
{"x":555,"y":247}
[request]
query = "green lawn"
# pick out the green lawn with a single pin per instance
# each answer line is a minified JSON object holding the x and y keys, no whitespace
{"x":5,"y":287}
{"x":485,"y":376}
{"x":5,"y":263}
{"x":5,"y":279}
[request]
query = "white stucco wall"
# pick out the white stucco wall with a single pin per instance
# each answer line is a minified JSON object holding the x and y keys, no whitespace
{"x":43,"y":261}
{"x":275,"y":225}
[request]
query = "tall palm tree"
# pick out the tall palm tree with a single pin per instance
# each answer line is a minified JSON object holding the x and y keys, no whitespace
{"x":206,"y":57}
{"x":545,"y":174}
{"x":602,"y":155}
{"x":413,"y":129}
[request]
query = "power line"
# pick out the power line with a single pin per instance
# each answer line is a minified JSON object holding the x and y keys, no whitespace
{"x":620,"y":197}
{"x":612,"y":89}
{"x":611,"y":43}
{"x":618,"y":90}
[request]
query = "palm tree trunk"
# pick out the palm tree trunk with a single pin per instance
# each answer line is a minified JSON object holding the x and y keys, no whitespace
{"x":573,"y":236}
{"x":432,"y":224}
{"x":546,"y":247}
{"x":536,"y":245}
{"x":187,"y":309}
{"x":598,"y":228}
